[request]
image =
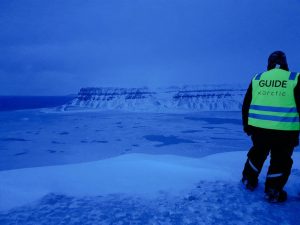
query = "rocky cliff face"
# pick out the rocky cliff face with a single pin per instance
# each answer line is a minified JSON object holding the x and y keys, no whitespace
{"x":172,"y":99}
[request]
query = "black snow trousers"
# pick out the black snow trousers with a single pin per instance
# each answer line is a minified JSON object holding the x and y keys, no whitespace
{"x":280,"y":145}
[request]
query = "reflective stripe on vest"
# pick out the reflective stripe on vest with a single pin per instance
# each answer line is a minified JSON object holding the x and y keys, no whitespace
{"x":273,"y":103}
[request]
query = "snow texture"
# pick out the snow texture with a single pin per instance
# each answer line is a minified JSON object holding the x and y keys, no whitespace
{"x":143,"y":189}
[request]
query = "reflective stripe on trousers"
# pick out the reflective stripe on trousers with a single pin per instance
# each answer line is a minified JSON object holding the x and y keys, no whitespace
{"x":274,"y":175}
{"x":252,"y":166}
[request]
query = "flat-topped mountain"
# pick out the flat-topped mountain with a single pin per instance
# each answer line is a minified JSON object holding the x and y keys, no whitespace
{"x":170,"y":99}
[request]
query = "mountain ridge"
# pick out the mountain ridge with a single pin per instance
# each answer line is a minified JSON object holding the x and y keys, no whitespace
{"x":167,"y":99}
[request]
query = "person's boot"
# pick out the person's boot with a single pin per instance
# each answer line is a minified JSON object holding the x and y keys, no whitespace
{"x":249,"y":184}
{"x":275,"y":196}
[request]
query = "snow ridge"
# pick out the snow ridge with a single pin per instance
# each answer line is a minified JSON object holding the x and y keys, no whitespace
{"x":171,"y":99}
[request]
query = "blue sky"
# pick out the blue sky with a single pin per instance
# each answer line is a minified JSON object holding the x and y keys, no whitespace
{"x":56,"y":47}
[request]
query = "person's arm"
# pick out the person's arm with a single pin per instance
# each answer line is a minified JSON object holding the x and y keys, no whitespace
{"x":245,"y":109}
{"x":297,"y":94}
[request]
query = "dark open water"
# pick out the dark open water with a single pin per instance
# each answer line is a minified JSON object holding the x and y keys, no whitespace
{"x":9,"y":103}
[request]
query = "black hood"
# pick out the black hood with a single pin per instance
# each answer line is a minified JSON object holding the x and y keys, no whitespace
{"x":277,"y":58}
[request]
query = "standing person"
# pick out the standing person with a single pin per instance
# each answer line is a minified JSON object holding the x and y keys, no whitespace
{"x":270,"y":112}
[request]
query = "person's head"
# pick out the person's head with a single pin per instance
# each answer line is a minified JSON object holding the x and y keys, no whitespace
{"x":277,"y":59}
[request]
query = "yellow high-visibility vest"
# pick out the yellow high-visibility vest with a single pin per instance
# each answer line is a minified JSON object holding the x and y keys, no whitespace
{"x":273,"y":104}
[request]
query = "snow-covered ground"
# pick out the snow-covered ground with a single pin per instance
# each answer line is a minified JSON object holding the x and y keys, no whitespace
{"x":132,"y":168}
{"x":31,"y":138}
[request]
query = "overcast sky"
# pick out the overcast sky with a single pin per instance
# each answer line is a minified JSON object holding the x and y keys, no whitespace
{"x":56,"y":47}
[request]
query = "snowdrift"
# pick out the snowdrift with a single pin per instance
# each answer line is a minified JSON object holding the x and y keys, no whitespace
{"x":132,"y":174}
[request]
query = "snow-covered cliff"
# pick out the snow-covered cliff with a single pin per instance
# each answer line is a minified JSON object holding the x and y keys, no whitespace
{"x":172,"y":99}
